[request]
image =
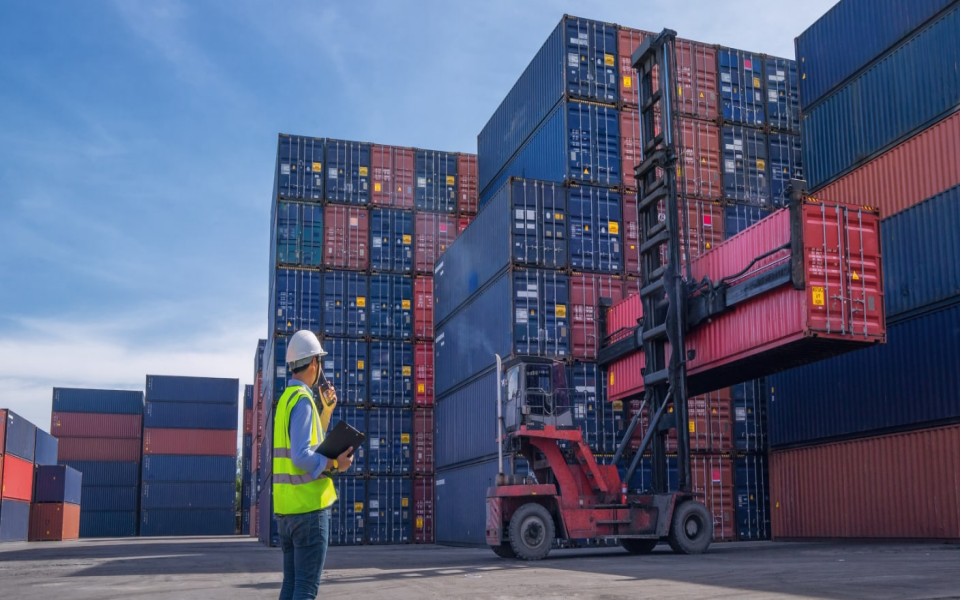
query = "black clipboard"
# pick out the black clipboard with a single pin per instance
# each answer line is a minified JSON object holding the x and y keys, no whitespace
{"x":340,"y":438}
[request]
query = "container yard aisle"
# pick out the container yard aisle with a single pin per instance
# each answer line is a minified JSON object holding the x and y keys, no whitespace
{"x":233,"y":568}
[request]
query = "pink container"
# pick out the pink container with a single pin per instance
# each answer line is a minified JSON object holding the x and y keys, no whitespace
{"x":424,"y":307}
{"x":467,"y":184}
{"x":586,"y":290}
{"x":392,"y":176}
{"x":204,"y":442}
{"x":423,"y":510}
{"x":95,"y":425}
{"x":424,"y":441}
{"x":346,"y":237}
{"x":424,"y":374}
{"x":433,"y":235}
{"x":106,"y":449}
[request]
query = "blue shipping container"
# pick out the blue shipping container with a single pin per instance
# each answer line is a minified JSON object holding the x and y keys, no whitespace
{"x":14,"y":520}
{"x":97,"y":401}
{"x":781,"y":87}
{"x":296,"y":300}
{"x":194,"y":521}
{"x":460,"y":505}
{"x":356,"y":417}
{"x":190,"y":415}
{"x":745,"y":165}
{"x":577,"y":142}
{"x":741,"y":86}
{"x":784,"y":158}
{"x":21,"y":437}
{"x":389,"y":504}
{"x":907,"y":382}
{"x":345,"y":366}
{"x":389,"y":300}
{"x":345,"y":303}
{"x":601,"y":425}
{"x":578,"y":60}
{"x":465,"y":422}
{"x":248,"y":397}
{"x":749,"y":405}
{"x":348,"y":172}
{"x":751,"y":497}
{"x":435,"y":175}
{"x":391,"y":240}
{"x":524,"y":223}
{"x":57,"y":483}
{"x":738,"y":217}
{"x":275,"y":377}
{"x":391,"y":373}
{"x":189,"y":495}
{"x":595,"y":218}
{"x":850,"y":36}
{"x":188,"y":467}
{"x":299,"y":234}
{"x":97,"y":473}
{"x":212,"y":390}
{"x":45,"y":449}
{"x":110,"y":497}
{"x":522,"y":312}
{"x":349,"y":514}
{"x":106,"y":523}
{"x":907,"y":90}
{"x":389,"y":435}
{"x":300,"y":167}
{"x":642,"y":480}
{"x":267,"y":524}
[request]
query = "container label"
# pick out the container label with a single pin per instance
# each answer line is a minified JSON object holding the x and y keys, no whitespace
{"x":726,"y":78}
{"x":405,"y":371}
{"x":405,"y":438}
{"x":609,"y":60}
{"x":316,"y":167}
{"x":817,"y":296}
{"x":421,"y":388}
{"x":628,"y":81}
{"x":610,"y":379}
{"x":358,"y":507}
{"x":613,"y":227}
{"x":360,"y":365}
{"x":377,"y":242}
{"x":405,"y":304}
{"x":573,"y":60}
{"x":284,"y":169}
{"x":331,"y":172}
{"x":377,"y":186}
{"x":421,"y":182}
{"x":450,"y":180}
{"x":419,"y":522}
{"x":520,"y":315}
{"x":362,"y":171}
{"x":560,"y":311}
{"x":740,"y":414}
{"x":361,"y":301}
{"x":406,"y":239}
{"x":374,"y":504}
{"x":374,"y":445}
{"x":772,"y":95}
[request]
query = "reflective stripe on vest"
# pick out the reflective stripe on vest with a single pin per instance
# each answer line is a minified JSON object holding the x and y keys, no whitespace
{"x":295,"y":491}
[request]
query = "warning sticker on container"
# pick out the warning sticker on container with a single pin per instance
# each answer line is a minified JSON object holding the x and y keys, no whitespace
{"x":360,"y":365}
{"x":405,"y":438}
{"x":284,"y":169}
{"x":690,"y":426}
{"x":613,"y":227}
{"x":610,"y":379}
{"x":855,"y":276}
{"x":377,"y":186}
{"x":404,"y":502}
{"x":760,"y":165}
{"x":362,"y":171}
{"x":628,"y":81}
{"x":353,"y":222}
{"x":406,"y":239}
{"x":757,"y":82}
{"x":374,"y":445}
{"x":358,"y":507}
{"x":405,"y":371}
{"x":421,"y":182}
{"x":609,"y":60}
{"x":740,"y":413}
{"x":316,"y":167}
{"x":361,"y":301}
{"x":520,"y":316}
{"x":405,"y":304}
{"x":560,"y":311}
{"x":451,"y":180}
{"x":419,"y":522}
{"x":817,"y":295}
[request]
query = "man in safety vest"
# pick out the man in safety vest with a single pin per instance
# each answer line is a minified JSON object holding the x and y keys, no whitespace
{"x":302,"y":478}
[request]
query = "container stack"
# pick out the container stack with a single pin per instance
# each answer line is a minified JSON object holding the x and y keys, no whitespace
{"x":55,"y":513}
{"x":257,"y":436}
{"x":100,"y":434}
{"x":246,"y":461}
{"x":18,"y":441}
{"x":356,"y":230}
{"x":880,"y":127}
{"x":189,"y":456}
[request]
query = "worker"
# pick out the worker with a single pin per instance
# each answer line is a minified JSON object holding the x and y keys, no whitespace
{"x":302,"y":478}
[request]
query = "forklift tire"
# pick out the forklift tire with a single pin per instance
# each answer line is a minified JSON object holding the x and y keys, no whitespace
{"x":636,"y":546}
{"x":504,"y":551}
{"x":692,"y":528}
{"x":531,"y":531}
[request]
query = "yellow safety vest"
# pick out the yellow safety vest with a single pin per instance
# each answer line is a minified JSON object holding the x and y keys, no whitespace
{"x":295,"y":492}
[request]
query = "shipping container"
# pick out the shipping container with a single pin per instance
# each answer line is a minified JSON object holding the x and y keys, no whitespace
{"x":784,"y":160}
{"x":745,"y":165}
{"x":14,"y":520}
{"x":392,"y":176}
{"x":423,"y":374}
{"x":98,"y":449}
{"x":423,"y":452}
{"x":628,"y":40}
{"x":749,"y":402}
{"x":883,"y":105}
{"x":752,"y":498}
{"x":524,"y":224}
{"x":346,"y":237}
{"x":389,"y":304}
{"x":206,"y":442}
{"x":389,"y":510}
{"x":460,"y":505}
{"x":705,"y":229}
{"x":465,"y":422}
{"x":45,"y":449}
{"x":389,"y":432}
{"x":585,"y":295}
{"x":187,"y":495}
{"x":348,"y":517}
{"x":578,"y":60}
{"x":632,"y":258}
{"x":345,"y":366}
{"x":524,"y":312}
{"x":344,"y":303}
{"x":391,"y":373}
{"x":300,"y":167}
{"x":882,"y":487}
{"x":57,"y":483}
{"x":921,"y":167}
{"x":601,"y":425}
{"x":267,"y":527}
{"x":194,"y":521}
{"x":630,"y":130}
{"x":712,"y":482}
{"x":709,"y":424}
{"x":741,"y":74}
{"x":423,"y":493}
{"x":97,"y":401}
{"x":95,"y":524}
{"x":248,"y":398}
{"x":188,"y":468}
{"x":697,"y":79}
{"x":463,"y":222}
{"x":107,"y":472}
{"x":781,"y":88}
{"x":391,"y":240}
{"x":424,"y":308}
{"x":54,"y":522}
{"x":190,"y":415}
{"x":433,"y":233}
{"x":594,"y":238}
{"x":299,"y":234}
{"x":109,"y":498}
{"x":212,"y":390}
{"x":17,"y":478}
{"x":20,"y":437}
{"x":296,"y":300}
{"x":435,"y":187}
{"x":738,"y":217}
{"x":467,"y":184}
{"x":914,"y":377}
{"x":852,"y":35}
{"x":356,"y":417}
{"x":348,"y":172}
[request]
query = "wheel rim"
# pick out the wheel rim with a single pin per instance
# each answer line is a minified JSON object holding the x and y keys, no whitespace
{"x":692,"y":527}
{"x":533,"y":532}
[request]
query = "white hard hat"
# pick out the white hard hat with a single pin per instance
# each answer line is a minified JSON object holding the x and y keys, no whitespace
{"x":302,"y":347}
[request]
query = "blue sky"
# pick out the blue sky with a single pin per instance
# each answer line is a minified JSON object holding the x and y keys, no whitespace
{"x":137,"y":145}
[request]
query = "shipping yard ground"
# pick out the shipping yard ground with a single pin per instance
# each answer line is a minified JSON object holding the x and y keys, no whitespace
{"x":239,"y":568}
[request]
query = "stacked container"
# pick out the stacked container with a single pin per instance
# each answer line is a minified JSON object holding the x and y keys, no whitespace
{"x":100,"y":435}
{"x":55,"y":513}
{"x":384,"y":214}
{"x":188,"y":484}
{"x":257,"y":436}
{"x":18,"y":442}
{"x":246,"y":461}
{"x":880,"y":128}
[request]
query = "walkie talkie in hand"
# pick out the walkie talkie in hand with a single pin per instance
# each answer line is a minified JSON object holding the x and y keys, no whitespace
{"x":326,"y":389}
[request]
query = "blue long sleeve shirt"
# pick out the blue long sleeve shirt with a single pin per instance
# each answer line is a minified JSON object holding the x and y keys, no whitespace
{"x":301,"y":453}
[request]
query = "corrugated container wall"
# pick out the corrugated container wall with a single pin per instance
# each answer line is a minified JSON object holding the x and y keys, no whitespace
{"x":300,"y":167}
{"x":97,"y":401}
{"x":212,"y":390}
{"x":299,"y":234}
{"x":346,"y":237}
{"x":392,"y":176}
{"x":436,"y":181}
{"x":460,"y":508}
{"x":391,"y":240}
{"x":348,"y":172}
{"x":296,"y":300}
{"x":390,"y":300}
{"x":344,"y":303}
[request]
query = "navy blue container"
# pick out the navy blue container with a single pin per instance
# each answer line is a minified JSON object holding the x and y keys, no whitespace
{"x":595,"y":218}
{"x":190,"y":415}
{"x":521,"y":312}
{"x":267,"y":524}
{"x":389,"y":433}
{"x":113,"y":498}
{"x":738,"y":217}
{"x":391,"y":240}
{"x":100,"y":523}
{"x":524,"y":223}
{"x":97,"y":401}
{"x":465,"y":422}
{"x":593,"y":414}
{"x":435,"y":187}
{"x":188,"y":468}
{"x":245,"y":521}
{"x":781,"y":86}
{"x":57,"y":483}
{"x":784,"y":158}
{"x":296,"y":300}
{"x":248,"y":397}
{"x":298,"y":234}
{"x":460,"y":504}
{"x":275,"y":375}
{"x":21,"y":437}
{"x":345,"y":366}
{"x":910,"y":381}
{"x":578,"y":60}
{"x":175,"y":388}
{"x":345,"y":303}
{"x":642,"y":480}
{"x":348,"y":517}
{"x":356,"y":417}
{"x":45,"y":449}
{"x":907,"y":90}
{"x":190,"y":495}
{"x":744,"y":174}
{"x":390,"y":303}
{"x":194,"y":521}
{"x":751,"y":497}
{"x":389,"y":504}
{"x":749,"y":406}
{"x":348,"y":172}
{"x":300,"y":167}
{"x":98,"y":473}
{"x":577,"y":142}
{"x":850,"y":36}
{"x":391,"y":373}
{"x":14,"y":520}
{"x":742,"y":93}
{"x":920,"y":250}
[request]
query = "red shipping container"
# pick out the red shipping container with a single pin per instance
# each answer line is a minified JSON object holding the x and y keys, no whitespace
{"x":392,"y":177}
{"x":463,"y":222}
{"x":434,"y":233}
{"x":630,"y":145}
{"x":424,"y":374}
{"x":917,"y":169}
{"x":467,"y":184}
{"x":346,"y":236}
{"x":424,"y":441}
{"x":3,"y":430}
{"x":632,"y":260}
{"x":712,"y":482}
{"x":424,"y":308}
{"x":248,"y":421}
{"x":585,"y":293}
{"x":95,"y":425}
{"x":903,"y":485}
{"x":697,"y":79}
{"x":624,"y":376}
{"x":705,"y":229}
{"x":423,"y":510}
{"x":106,"y":449}
{"x":254,"y":520}
{"x":17,"y":481}
{"x":709,"y":424}
{"x":204,"y":442}
{"x":54,"y":522}
{"x":628,"y":40}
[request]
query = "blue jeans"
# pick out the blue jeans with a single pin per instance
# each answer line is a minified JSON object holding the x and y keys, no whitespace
{"x":303,"y":538}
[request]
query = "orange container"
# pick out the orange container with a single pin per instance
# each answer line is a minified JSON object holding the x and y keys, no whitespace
{"x":54,"y":522}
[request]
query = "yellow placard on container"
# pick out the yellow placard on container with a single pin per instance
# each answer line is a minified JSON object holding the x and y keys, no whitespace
{"x":451,"y":180}
{"x":421,"y":388}
{"x":817,"y":296}
{"x":317,"y":167}
{"x":361,"y":302}
{"x":757,"y":82}
{"x":360,"y":365}
{"x":690,"y":426}
{"x":617,"y":405}
{"x":419,"y":522}
{"x":613,"y":227}
{"x":760,"y":164}
{"x":628,"y":81}
{"x":405,"y":438}
{"x":404,"y":502}
{"x":377,"y":186}
{"x":610,"y":378}
{"x":609,"y":60}
{"x":407,"y":239}
{"x":362,"y":171}
{"x":405,"y":304}
{"x":560,"y":311}
{"x":358,"y":507}
{"x":405,"y":370}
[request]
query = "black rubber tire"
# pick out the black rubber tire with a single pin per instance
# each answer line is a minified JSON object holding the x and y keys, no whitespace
{"x":692,"y":528}
{"x":531,"y":531}
{"x":504,"y":551}
{"x":638,"y":546}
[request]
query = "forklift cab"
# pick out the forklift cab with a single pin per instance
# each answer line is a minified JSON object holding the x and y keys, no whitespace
{"x":535,"y":395}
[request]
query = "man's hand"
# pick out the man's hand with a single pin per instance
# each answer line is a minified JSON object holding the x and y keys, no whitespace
{"x":329,"y":397}
{"x":345,"y":460}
